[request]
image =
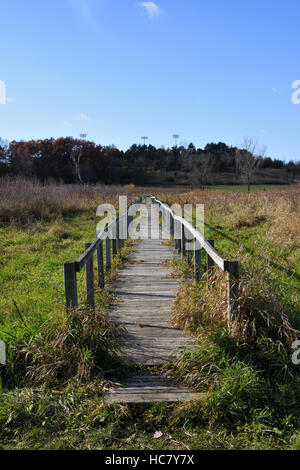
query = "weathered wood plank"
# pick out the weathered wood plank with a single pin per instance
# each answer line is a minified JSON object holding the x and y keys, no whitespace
{"x":145,"y":291}
{"x":150,"y":389}
{"x":145,"y":296}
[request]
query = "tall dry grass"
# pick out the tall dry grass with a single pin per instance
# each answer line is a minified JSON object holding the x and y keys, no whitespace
{"x":26,"y":200}
{"x":259,"y":312}
{"x":262,"y":231}
{"x":23,"y":201}
{"x":280,"y":208}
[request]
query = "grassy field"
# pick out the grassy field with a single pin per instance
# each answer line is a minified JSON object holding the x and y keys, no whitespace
{"x":243,"y":188}
{"x":59,"y":366}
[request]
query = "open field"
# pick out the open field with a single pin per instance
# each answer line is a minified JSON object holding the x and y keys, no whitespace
{"x":243,"y":188}
{"x":58,"y":367}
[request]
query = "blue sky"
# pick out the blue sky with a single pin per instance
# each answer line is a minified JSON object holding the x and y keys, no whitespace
{"x":209,"y":70}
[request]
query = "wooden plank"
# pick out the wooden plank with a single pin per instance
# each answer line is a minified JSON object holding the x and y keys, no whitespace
{"x":150,"y":389}
{"x":153,"y":398}
{"x":145,"y":294}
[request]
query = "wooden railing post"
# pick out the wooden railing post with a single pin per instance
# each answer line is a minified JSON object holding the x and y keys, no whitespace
{"x":100,"y":265}
{"x":114,"y":241}
{"x":172,"y":228}
{"x":210,"y":261}
{"x":160,"y":224}
{"x":178,"y":236}
{"x":232,"y":268}
{"x":118,"y":234}
{"x":183,"y":242}
{"x":90,"y":292}
{"x":108,"y":253}
{"x":197,"y":261}
{"x":149,"y":207}
{"x":129,"y":222}
{"x":121,"y":226}
{"x":70,"y":285}
{"x":189,"y":251}
{"x":163,"y":221}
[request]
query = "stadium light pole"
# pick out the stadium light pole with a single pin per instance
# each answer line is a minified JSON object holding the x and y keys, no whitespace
{"x":176,"y":137}
{"x":83,"y":136}
{"x":144,"y":138}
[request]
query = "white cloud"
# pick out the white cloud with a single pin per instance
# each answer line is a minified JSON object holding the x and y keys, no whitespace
{"x":152,"y":8}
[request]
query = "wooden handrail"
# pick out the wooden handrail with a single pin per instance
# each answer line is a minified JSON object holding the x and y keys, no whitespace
{"x":210,"y":250}
{"x":82,"y":261}
{"x":231,"y":267}
{"x":86,"y":260}
{"x":71,"y":268}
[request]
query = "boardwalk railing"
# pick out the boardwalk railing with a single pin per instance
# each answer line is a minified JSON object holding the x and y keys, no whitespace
{"x":113,"y":243}
{"x":182,"y":231}
{"x":2,"y":354}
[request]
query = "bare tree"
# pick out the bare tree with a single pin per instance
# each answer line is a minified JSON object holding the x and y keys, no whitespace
{"x":200,"y":166}
{"x":76,"y":155}
{"x":248,"y":159}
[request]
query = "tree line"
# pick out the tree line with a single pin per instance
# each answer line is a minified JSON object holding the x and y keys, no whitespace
{"x":71,"y":160}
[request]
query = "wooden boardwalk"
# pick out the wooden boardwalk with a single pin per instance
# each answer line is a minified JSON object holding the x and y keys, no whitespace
{"x":145,"y":291}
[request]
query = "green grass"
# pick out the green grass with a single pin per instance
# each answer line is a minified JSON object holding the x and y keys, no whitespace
{"x":32,"y":270}
{"x":251,"y":402}
{"x":46,"y":348}
{"x":75,"y":418}
{"x":278,"y":265}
